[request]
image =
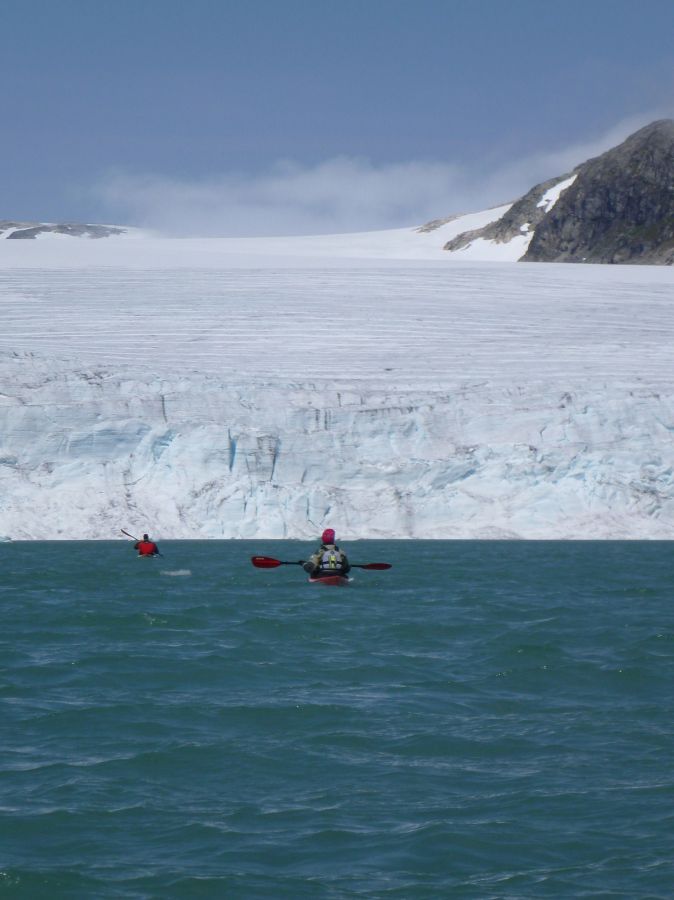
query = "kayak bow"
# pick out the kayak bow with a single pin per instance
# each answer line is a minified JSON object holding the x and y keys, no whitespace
{"x":331,"y":580}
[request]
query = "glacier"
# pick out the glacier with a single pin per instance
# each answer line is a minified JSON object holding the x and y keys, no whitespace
{"x":266,"y":388}
{"x":86,"y":452}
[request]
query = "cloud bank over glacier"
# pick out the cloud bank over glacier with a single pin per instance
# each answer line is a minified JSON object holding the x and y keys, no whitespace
{"x":332,"y":196}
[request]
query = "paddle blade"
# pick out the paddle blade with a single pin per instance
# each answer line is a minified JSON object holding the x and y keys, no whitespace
{"x":265,"y":562}
{"x":373,"y":566}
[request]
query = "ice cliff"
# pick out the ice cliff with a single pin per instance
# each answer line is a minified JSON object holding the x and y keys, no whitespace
{"x":87,"y":451}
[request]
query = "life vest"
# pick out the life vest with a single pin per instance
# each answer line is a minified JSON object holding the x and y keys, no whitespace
{"x":330,"y":560}
{"x":146,"y":548}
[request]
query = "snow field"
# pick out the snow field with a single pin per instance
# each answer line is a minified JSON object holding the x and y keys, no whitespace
{"x":416,"y":324}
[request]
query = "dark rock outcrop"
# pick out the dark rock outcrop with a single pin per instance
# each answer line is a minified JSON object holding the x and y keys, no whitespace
{"x":522,"y":218}
{"x":435,"y":223}
{"x":31,"y":230}
{"x":619,"y":209}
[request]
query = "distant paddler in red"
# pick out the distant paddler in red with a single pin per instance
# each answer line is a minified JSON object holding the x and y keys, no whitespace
{"x":145,"y":547}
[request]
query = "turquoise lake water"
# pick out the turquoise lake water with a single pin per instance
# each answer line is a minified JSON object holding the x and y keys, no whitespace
{"x":488,"y":720}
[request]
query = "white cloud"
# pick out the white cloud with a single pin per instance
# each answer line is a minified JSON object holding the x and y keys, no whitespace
{"x":337,"y":195}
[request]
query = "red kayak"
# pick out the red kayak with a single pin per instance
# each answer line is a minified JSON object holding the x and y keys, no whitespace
{"x":331,"y":580}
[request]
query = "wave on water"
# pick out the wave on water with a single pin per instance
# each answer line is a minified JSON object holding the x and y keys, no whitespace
{"x":489,"y":719}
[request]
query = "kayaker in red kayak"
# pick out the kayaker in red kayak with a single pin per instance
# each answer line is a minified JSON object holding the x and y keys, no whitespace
{"x":328,"y":560}
{"x":146,"y":547}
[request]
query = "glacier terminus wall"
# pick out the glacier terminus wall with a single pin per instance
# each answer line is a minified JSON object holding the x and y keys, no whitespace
{"x":85,"y":452}
{"x":403,"y":401}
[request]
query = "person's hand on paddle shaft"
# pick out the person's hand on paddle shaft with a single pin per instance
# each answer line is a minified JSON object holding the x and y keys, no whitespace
{"x":300,"y":562}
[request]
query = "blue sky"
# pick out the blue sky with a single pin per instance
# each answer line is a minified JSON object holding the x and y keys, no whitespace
{"x":260,"y":116}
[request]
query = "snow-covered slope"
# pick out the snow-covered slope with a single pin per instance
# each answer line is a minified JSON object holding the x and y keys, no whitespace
{"x":463,"y":237}
{"x":434,"y":240}
{"x":269,"y":387}
{"x":421,"y":243}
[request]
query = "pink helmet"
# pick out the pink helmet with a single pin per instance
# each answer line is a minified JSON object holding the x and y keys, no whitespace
{"x":328,"y":536}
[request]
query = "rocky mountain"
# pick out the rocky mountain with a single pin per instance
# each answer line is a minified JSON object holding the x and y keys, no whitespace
{"x":615,"y":208}
{"x":31,"y":230}
{"x":619,"y":209}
